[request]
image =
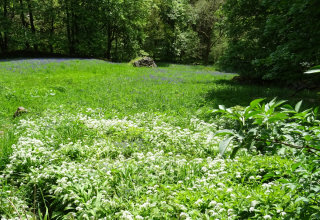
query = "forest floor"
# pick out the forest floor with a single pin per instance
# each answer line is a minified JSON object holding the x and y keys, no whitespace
{"x":104,"y":140}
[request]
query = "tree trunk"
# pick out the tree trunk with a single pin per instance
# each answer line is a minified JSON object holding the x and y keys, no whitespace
{"x":109,"y":45}
{"x":51,"y":34}
{"x":109,"y":41}
{"x":1,"y":43}
{"x":5,"y":34}
{"x":31,"y":20}
{"x":23,"y":21}
{"x":70,"y":41}
{"x":207,"y":52}
{"x":116,"y":49}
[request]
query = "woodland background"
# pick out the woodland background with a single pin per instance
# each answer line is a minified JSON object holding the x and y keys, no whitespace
{"x":263,"y":39}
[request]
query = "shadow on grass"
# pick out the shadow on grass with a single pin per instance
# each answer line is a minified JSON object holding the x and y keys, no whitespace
{"x":231,"y":93}
{"x":162,"y":64}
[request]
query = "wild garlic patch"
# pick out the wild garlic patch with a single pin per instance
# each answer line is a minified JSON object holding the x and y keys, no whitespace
{"x":135,"y":167}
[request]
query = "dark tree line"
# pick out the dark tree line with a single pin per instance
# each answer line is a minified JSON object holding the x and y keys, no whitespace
{"x":172,"y":30}
{"x":272,"y":40}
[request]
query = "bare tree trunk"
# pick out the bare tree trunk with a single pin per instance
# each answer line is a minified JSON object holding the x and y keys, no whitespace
{"x":109,"y":41}
{"x":70,"y":40}
{"x":5,"y":34}
{"x":1,"y":43}
{"x":31,"y":20}
{"x":51,"y":34}
{"x":23,"y":21}
{"x":109,"y":45}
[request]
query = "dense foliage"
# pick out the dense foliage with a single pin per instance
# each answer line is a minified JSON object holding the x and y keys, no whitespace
{"x":272,"y":39}
{"x":259,"y":39}
{"x":172,"y":30}
{"x":265,"y":128}
{"x":275,"y":128}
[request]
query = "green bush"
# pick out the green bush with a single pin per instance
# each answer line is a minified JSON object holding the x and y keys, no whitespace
{"x":275,"y":128}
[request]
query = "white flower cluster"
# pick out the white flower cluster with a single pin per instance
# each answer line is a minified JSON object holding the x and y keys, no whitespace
{"x":142,"y":165}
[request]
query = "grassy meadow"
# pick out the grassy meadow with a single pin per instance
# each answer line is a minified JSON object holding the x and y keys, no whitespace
{"x":104,"y":140}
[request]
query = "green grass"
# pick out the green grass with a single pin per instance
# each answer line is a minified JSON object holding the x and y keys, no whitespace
{"x":105,"y":140}
{"x":174,"y":89}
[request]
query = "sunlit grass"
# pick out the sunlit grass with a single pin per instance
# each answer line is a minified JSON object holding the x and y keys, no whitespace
{"x":109,"y":140}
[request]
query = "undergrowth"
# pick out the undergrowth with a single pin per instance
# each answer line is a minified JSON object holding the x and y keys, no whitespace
{"x":109,"y":141}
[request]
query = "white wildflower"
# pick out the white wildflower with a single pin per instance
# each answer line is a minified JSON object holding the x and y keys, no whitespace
{"x":198,"y":202}
{"x":254,"y":203}
{"x":267,"y":217}
{"x":212,"y":203}
{"x":184,"y":215}
{"x":229,"y":190}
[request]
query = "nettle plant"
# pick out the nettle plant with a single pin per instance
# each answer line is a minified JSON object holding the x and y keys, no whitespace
{"x":278,"y":128}
{"x":273,"y":127}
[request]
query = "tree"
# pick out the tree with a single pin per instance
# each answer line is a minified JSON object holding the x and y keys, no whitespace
{"x":272,"y":39}
{"x":4,"y":26}
{"x":168,"y":30}
{"x":207,"y":25}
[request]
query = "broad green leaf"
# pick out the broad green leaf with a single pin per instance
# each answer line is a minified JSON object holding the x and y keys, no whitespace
{"x":298,"y":105}
{"x":229,"y":110}
{"x":222,"y":107}
{"x":255,"y":102}
{"x":287,"y":106}
{"x":315,"y":207}
{"x":224,"y":144}
{"x":292,"y":186}
{"x":224,"y":132}
{"x":251,"y":114}
{"x":308,"y":137}
{"x":283,"y":180}
{"x":312,"y":71}
{"x":279,"y":103}
{"x":278,"y":117}
{"x":268,"y":176}
{"x":304,"y":199}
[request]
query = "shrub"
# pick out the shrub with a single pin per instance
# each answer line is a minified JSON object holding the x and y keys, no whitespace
{"x":278,"y":128}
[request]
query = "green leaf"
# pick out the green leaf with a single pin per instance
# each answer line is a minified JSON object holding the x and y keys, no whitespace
{"x":224,"y":144}
{"x":315,"y":207}
{"x":292,"y":186}
{"x":278,"y":117}
{"x":268,"y":176}
{"x":229,"y":110}
{"x":222,"y":107}
{"x":224,"y":132}
{"x":279,"y":103}
{"x":298,"y":105}
{"x":283,"y":180}
{"x":287,"y":106}
{"x":252,"y":114}
{"x":304,"y":199}
{"x":312,"y":71}
{"x":255,"y":102}
{"x":308,"y":137}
